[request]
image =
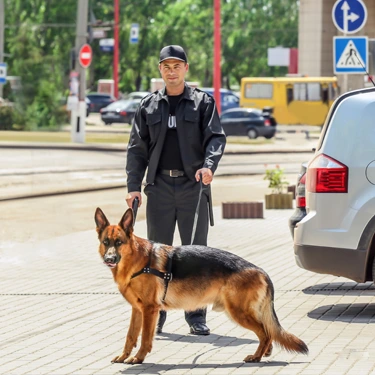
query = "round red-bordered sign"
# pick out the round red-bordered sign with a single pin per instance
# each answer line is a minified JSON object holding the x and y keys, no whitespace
{"x":85,"y":56}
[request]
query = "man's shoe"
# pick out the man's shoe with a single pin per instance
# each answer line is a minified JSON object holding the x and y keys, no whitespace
{"x":199,"y":329}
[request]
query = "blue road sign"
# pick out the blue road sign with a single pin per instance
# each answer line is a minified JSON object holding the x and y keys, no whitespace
{"x":350,"y":55}
{"x":3,"y":73}
{"x":349,"y":16}
{"x":107,"y":45}
{"x":134,"y":33}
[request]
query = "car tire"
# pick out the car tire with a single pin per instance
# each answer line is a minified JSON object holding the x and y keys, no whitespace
{"x":268,"y":136}
{"x":252,"y":133}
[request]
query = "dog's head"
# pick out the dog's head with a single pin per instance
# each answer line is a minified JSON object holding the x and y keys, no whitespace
{"x":114,"y":239}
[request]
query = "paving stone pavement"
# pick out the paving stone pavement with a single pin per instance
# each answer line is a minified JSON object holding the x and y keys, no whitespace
{"x":61,"y":313}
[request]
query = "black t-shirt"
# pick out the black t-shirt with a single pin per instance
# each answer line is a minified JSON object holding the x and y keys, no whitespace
{"x":170,"y":157}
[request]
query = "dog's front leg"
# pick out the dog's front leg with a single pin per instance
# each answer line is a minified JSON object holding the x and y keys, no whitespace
{"x":150,"y":314}
{"x":132,"y":336}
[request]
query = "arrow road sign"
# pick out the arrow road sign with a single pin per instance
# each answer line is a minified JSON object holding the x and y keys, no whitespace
{"x":350,"y":55}
{"x":349,"y":16}
{"x":3,"y":73}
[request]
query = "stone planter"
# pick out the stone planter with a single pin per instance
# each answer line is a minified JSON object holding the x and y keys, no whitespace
{"x":242,"y":210}
{"x":279,"y":201}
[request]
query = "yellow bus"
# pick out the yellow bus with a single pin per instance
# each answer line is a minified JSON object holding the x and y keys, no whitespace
{"x":295,"y":100}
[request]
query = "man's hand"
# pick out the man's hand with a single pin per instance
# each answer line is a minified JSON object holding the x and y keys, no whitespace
{"x":131,"y":196}
{"x":207,"y":175}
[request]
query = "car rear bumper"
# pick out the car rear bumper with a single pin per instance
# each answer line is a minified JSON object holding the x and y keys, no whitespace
{"x":332,"y":261}
{"x":267,"y":131}
{"x":297,"y":216}
{"x":113,"y":118}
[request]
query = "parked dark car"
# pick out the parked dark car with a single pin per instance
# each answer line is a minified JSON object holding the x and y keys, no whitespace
{"x":138,"y":95}
{"x":300,"y":211}
{"x":99,"y":100}
{"x":120,"y":111}
{"x":228,"y":99}
{"x":248,"y":121}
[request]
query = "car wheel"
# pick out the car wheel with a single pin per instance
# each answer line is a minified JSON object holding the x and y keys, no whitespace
{"x":252,"y":133}
{"x":268,"y":136}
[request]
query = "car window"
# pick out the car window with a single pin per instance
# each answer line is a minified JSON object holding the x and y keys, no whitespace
{"x":133,"y":106}
{"x":231,"y":114}
{"x":307,"y":91}
{"x":259,"y":90}
{"x":229,"y":98}
{"x":252,"y":115}
{"x":119,"y":103}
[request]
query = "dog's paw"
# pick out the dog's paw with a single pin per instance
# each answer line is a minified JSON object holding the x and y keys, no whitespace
{"x":133,"y":360}
{"x":252,"y":358}
{"x":119,"y":358}
{"x":269,"y":351}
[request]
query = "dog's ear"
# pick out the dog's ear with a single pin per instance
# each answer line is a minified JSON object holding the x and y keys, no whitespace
{"x":127,"y":221}
{"x":100,"y":220}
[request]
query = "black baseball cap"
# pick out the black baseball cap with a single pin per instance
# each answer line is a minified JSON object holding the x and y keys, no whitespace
{"x":173,"y":52}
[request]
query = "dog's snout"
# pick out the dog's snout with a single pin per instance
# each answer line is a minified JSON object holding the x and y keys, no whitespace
{"x":110,"y":258}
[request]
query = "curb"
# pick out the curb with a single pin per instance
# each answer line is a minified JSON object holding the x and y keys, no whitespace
{"x":65,"y":192}
{"x":37,"y":146}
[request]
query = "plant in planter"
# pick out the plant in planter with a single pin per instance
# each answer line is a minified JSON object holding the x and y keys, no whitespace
{"x":279,"y":198}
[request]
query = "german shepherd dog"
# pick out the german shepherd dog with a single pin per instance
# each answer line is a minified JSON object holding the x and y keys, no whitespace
{"x":201,"y":276}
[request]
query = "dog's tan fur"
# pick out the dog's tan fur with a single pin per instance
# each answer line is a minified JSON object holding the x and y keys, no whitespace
{"x":246,"y":296}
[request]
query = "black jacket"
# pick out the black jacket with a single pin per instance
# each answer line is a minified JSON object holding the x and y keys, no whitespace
{"x":200,"y":135}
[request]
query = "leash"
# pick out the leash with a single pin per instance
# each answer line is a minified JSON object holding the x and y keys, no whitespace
{"x":210,"y":211}
{"x":197,"y":210}
{"x":135,"y":205}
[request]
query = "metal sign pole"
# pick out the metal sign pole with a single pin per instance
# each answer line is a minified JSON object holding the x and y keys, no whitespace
{"x":345,"y":81}
{"x":78,"y":116}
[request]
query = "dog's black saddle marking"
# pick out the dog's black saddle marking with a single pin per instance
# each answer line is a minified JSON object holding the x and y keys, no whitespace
{"x":166,"y":276}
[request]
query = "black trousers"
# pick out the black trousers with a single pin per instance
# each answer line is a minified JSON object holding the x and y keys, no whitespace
{"x":174,"y":200}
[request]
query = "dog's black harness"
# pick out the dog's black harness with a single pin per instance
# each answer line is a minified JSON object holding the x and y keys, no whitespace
{"x":166,"y":276}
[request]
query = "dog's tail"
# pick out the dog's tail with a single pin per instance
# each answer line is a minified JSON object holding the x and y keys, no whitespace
{"x":274,"y":329}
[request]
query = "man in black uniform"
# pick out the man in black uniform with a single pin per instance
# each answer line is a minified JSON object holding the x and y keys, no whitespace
{"x":177,"y":135}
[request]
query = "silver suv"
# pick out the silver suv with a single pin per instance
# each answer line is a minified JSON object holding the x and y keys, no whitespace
{"x":337,"y":235}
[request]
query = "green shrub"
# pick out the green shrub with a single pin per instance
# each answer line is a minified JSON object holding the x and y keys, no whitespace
{"x":276,"y":179}
{"x":6,"y":118}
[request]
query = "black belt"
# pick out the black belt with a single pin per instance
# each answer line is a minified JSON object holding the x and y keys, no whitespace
{"x":172,"y":172}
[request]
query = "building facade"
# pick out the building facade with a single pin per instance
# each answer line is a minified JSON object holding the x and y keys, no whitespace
{"x":315,"y":42}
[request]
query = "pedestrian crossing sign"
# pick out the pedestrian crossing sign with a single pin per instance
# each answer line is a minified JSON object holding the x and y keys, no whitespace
{"x":350,"y":55}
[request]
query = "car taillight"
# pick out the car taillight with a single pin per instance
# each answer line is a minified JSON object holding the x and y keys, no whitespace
{"x":300,"y":202}
{"x":91,"y":105}
{"x":101,"y":110}
{"x":327,"y":175}
{"x":267,"y":122}
{"x":123,"y":113}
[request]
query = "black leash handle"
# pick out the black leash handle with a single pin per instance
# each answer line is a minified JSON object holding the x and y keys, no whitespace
{"x":135,"y":205}
{"x":197,"y":210}
{"x":210,"y":210}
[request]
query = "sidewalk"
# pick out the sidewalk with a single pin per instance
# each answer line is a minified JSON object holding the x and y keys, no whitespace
{"x":61,"y":313}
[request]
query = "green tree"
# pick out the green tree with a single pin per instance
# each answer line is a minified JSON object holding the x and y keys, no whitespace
{"x":40,"y":35}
